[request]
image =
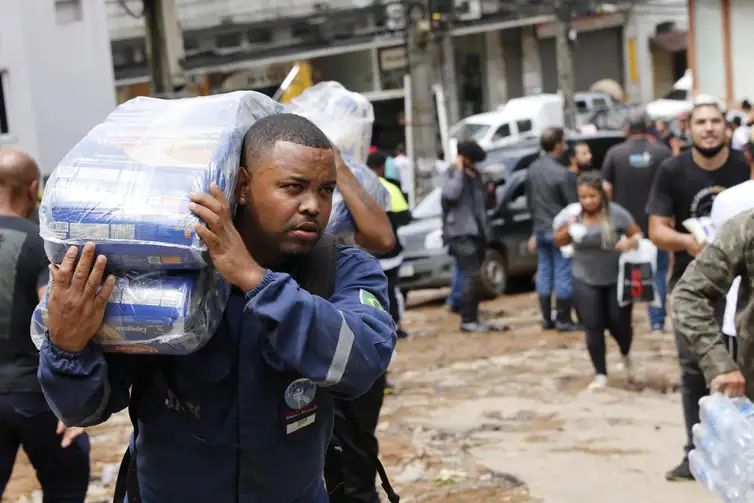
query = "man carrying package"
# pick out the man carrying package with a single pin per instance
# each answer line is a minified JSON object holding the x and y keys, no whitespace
{"x":248,"y":417}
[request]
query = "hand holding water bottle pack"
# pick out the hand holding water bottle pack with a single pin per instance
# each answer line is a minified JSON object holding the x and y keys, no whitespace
{"x":723,"y":458}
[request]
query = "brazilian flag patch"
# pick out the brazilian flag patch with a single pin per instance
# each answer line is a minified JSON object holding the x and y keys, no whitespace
{"x":367,"y":298}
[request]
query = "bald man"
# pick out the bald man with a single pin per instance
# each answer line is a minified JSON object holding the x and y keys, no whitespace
{"x":59,"y":456}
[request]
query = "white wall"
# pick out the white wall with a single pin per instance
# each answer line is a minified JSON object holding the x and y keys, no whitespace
{"x":61,"y":82}
{"x":708,"y":48}
{"x":641,"y":25}
{"x":742,"y":43}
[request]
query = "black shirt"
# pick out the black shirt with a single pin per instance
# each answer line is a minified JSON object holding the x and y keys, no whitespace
{"x":23,"y":270}
{"x":684,"y":190}
{"x":630,"y":168}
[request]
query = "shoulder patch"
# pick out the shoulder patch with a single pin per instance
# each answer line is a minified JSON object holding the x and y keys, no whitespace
{"x":367,"y":298}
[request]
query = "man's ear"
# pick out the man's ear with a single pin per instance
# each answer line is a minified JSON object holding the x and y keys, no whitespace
{"x":242,"y":183}
{"x":34,"y":191}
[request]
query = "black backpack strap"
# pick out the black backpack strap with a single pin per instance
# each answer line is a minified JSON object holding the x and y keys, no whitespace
{"x":127,"y":483}
{"x":392,"y":497}
{"x":317,"y":276}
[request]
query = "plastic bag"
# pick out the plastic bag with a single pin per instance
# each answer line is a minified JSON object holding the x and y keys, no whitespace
{"x":125,"y":186}
{"x":344,"y":116}
{"x":166,"y":313}
{"x":341,"y":222}
{"x":636,"y":275}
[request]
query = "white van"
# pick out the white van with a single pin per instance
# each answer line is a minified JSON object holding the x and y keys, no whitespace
{"x":518,"y":119}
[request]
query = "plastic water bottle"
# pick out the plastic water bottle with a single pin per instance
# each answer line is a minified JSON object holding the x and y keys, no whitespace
{"x":711,"y":479}
{"x":706,"y":442}
{"x":727,"y":422}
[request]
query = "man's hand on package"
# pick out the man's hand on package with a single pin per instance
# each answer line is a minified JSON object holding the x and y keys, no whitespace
{"x":69,"y":434}
{"x":225,"y":245}
{"x":732,"y":384}
{"x":693,"y":247}
{"x":76,"y":303}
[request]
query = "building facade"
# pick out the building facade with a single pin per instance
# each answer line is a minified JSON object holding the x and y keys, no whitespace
{"x":719,"y":45}
{"x":498,"y":54}
{"x":56,"y":75}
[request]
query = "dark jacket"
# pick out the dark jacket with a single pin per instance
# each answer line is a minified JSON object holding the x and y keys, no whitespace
{"x":239,"y":439}
{"x":548,"y":190}
{"x":464,"y":205}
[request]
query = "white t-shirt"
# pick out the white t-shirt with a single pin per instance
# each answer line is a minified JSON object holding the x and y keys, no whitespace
{"x":727,"y":205}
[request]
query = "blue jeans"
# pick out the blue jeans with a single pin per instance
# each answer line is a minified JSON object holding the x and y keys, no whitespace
{"x":657,"y":314}
{"x":553,"y":269}
{"x":456,"y":288}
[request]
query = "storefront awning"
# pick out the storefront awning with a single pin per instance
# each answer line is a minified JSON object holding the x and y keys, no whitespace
{"x":671,"y":41}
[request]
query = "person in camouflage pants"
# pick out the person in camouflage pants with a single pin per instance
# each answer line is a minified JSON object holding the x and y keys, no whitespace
{"x":702,"y":287}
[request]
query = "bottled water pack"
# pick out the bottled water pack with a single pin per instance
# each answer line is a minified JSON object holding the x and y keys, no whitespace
{"x":344,"y":116}
{"x":125,"y":185}
{"x":723,"y":457}
{"x":155,"y":312}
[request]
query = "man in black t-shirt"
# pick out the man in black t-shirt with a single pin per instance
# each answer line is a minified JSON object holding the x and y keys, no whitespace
{"x":60,"y":456}
{"x":629,"y":170}
{"x":685,"y":187}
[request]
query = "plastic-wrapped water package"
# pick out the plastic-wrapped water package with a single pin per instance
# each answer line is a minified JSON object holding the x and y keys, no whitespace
{"x":125,"y":185}
{"x":723,"y":458}
{"x":156,"y":312}
{"x":345,"y":117}
{"x":341,"y":222}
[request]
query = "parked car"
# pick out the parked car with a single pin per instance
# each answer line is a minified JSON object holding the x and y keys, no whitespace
{"x":427,"y":263}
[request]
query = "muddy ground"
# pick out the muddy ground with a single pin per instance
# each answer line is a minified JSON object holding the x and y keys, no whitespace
{"x":500,"y":418}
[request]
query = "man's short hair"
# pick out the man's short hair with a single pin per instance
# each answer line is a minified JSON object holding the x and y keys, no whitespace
{"x":551,"y":138}
{"x":638,"y":123}
{"x":745,"y":105}
{"x":472,"y":151}
{"x":376,"y":160}
{"x":707,"y":100}
{"x":262,"y":136}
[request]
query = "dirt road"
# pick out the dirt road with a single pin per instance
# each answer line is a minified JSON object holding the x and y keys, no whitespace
{"x":501,"y":418}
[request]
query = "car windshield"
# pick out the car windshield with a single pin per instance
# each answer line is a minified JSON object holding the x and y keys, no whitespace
{"x":677,"y":94}
{"x":470,"y":130}
{"x":430,"y":206}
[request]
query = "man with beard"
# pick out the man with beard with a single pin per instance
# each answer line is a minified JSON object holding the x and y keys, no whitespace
{"x":685,"y":187}
{"x":629,"y":170}
{"x":248,"y":417}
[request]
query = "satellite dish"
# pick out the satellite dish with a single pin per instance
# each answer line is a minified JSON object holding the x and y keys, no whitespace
{"x":610,"y":87}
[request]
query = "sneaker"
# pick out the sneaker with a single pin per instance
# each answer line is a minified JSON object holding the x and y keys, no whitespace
{"x":483,"y":327}
{"x":401,"y":334}
{"x":680,"y":472}
{"x":626,"y":365}
{"x":658,"y":330}
{"x":599,"y":382}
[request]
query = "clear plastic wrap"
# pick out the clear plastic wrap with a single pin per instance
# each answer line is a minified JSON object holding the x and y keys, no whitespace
{"x":341,"y":222}
{"x":125,"y":186}
{"x":345,"y":117}
{"x":157,"y":312}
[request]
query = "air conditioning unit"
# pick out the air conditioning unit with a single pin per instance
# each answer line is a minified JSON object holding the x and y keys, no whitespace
{"x":468,"y":10}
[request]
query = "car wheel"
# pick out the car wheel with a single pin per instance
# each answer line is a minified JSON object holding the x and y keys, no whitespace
{"x":494,"y":274}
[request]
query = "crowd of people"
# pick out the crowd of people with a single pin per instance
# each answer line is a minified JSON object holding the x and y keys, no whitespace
{"x":315,"y":319}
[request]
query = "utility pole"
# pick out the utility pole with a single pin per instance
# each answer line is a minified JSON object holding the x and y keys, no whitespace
{"x":421,"y":59}
{"x":164,"y":47}
{"x":449,"y":82}
{"x":563,"y":50}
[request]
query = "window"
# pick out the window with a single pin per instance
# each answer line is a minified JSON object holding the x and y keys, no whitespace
{"x":4,"y":127}
{"x":68,"y":11}
{"x":502,"y":132}
{"x":599,"y":103}
{"x":430,"y":206}
{"x":523,"y":126}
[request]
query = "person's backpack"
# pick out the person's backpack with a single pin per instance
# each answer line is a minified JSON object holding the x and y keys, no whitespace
{"x":316,"y":276}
